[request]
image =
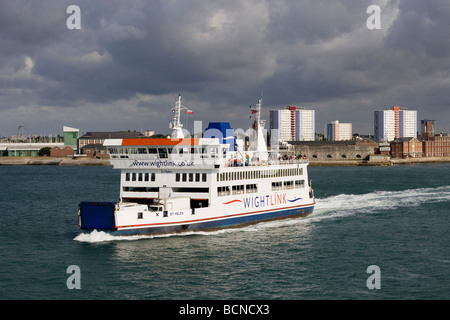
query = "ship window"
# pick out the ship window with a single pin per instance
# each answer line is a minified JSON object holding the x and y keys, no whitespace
{"x":204,"y":177}
{"x":142,"y":150}
{"x":140,"y":176}
{"x":146,"y":176}
{"x":162,"y":153}
{"x":191,"y":177}
{"x":299,"y":183}
{"x":133,"y":176}
{"x":237,"y":189}
{"x":152,"y":150}
{"x":197,"y":177}
{"x":153,"y":176}
{"x":251,"y":188}
{"x":127,"y":176}
{"x":177,"y":177}
{"x":288,"y":184}
{"x":276,"y":185}
{"x":184,"y":177}
{"x":223,"y":191}
{"x":140,"y":215}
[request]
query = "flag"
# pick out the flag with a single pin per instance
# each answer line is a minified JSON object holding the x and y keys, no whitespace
{"x":254,"y":111}
{"x":190,"y":112}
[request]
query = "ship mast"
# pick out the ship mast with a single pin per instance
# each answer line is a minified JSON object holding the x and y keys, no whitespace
{"x":176,"y":123}
{"x":257,"y":141}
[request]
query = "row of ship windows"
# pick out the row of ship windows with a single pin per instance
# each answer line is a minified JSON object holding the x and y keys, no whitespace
{"x":184,"y":177}
{"x":226,"y":176}
{"x":163,"y":152}
{"x":139,"y":176}
{"x":259,"y":174}
{"x":253,"y":188}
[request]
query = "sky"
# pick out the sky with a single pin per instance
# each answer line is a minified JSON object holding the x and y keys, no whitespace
{"x":127,"y":64}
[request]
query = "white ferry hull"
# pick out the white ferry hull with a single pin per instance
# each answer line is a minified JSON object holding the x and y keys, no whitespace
{"x":190,"y":223}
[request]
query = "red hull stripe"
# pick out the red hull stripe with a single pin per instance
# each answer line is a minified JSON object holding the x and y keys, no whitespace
{"x":232,"y":201}
{"x":215,"y":218}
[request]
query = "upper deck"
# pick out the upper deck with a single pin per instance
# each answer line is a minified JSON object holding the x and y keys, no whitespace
{"x":166,"y":153}
{"x":195,"y":153}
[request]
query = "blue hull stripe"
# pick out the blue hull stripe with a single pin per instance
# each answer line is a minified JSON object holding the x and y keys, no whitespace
{"x":215,"y":224}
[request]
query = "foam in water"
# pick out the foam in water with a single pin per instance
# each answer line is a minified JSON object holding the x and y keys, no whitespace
{"x":350,"y":204}
{"x":341,"y":205}
{"x":101,"y":236}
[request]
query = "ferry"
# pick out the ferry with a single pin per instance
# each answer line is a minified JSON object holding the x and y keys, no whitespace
{"x":178,"y":184}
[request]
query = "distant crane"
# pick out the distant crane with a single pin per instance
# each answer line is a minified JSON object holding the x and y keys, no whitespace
{"x":21,"y":137}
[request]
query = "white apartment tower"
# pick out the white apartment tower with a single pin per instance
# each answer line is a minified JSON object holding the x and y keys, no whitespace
{"x":336,"y":131}
{"x":292,"y":124}
{"x":395,"y":123}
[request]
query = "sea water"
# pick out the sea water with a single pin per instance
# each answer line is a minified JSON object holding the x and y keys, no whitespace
{"x":395,"y":218}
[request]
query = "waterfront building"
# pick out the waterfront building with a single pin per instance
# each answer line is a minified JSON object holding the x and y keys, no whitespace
{"x":66,"y":151}
{"x":99,"y":137}
{"x":437,"y":146}
{"x":336,"y":131}
{"x":406,"y":148}
{"x":94,"y":150}
{"x":427,"y":128}
{"x":25,"y":149}
{"x":292,"y":124}
{"x":70,"y":136}
{"x":336,"y":150}
{"x":395,"y":123}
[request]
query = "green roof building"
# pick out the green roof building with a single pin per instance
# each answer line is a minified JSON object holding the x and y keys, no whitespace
{"x":70,"y":136}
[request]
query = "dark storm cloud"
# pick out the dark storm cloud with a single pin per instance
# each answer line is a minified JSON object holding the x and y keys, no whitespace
{"x":131,"y":58}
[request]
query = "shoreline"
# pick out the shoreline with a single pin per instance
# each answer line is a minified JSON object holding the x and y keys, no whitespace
{"x":69,"y":161}
{"x":53,"y":161}
{"x":390,"y":162}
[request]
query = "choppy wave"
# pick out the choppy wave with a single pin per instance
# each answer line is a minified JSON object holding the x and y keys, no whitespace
{"x":338,"y":206}
{"x":349,"y":204}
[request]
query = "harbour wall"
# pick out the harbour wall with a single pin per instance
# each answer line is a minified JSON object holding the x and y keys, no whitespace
{"x":312,"y":162}
{"x":55,"y":161}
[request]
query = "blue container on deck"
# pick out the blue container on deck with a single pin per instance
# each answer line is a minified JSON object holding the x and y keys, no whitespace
{"x":97,"y":215}
{"x":223,"y":131}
